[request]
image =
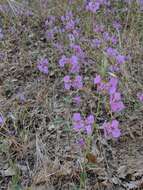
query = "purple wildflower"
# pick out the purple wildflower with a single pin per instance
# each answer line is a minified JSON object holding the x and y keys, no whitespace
{"x":115,"y":130}
{"x":1,"y":120}
{"x":76,"y":117}
{"x":102,"y":86}
{"x":114,"y":68}
{"x":117,"y":106}
{"x":140,"y":96}
{"x":88,"y":129}
{"x":43,"y":66}
{"x":74,"y":64}
{"x":50,"y":34}
{"x":59,"y":47}
{"x":67,"y":82}
{"x":63,"y":61}
{"x":50,"y":21}
{"x":98,"y":28}
{"x":70,"y":25}
{"x":69,"y":15}
{"x":77,"y":83}
{"x":95,"y":43}
{"x":76,"y":33}
{"x":116,"y":103}
{"x":90,"y":119}
{"x":114,"y":40}
{"x":77,"y":122}
{"x":141,"y":4}
{"x":2,"y":56}
{"x":113,"y":85}
{"x":120,"y":59}
{"x":106,"y":36}
{"x":97,"y":79}
{"x":104,"y":2}
{"x":111,"y":129}
{"x":73,"y":61}
{"x":81,"y":142}
{"x":77,"y":100}
{"x":116,"y":25}
{"x":70,"y":1}
{"x":71,"y":38}
{"x":78,"y":51}
{"x":4,"y":8}
{"x":116,"y":96}
{"x":111,"y":52}
{"x":88,"y":124}
{"x":93,"y":6}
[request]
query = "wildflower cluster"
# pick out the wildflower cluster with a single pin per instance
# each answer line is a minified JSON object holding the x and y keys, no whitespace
{"x":94,"y":6}
{"x":86,"y":81}
{"x":76,"y":83}
{"x":74,"y":63}
{"x":110,"y":88}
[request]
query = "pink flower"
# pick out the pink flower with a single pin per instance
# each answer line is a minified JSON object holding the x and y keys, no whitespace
{"x":115,"y":130}
{"x":115,"y":97}
{"x":115,"y":102}
{"x":83,"y":124}
{"x":111,"y":129}
{"x":117,"y":106}
{"x":97,"y":79}
{"x":76,"y":117}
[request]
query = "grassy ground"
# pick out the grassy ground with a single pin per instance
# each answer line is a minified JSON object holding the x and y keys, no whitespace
{"x":38,"y":146}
